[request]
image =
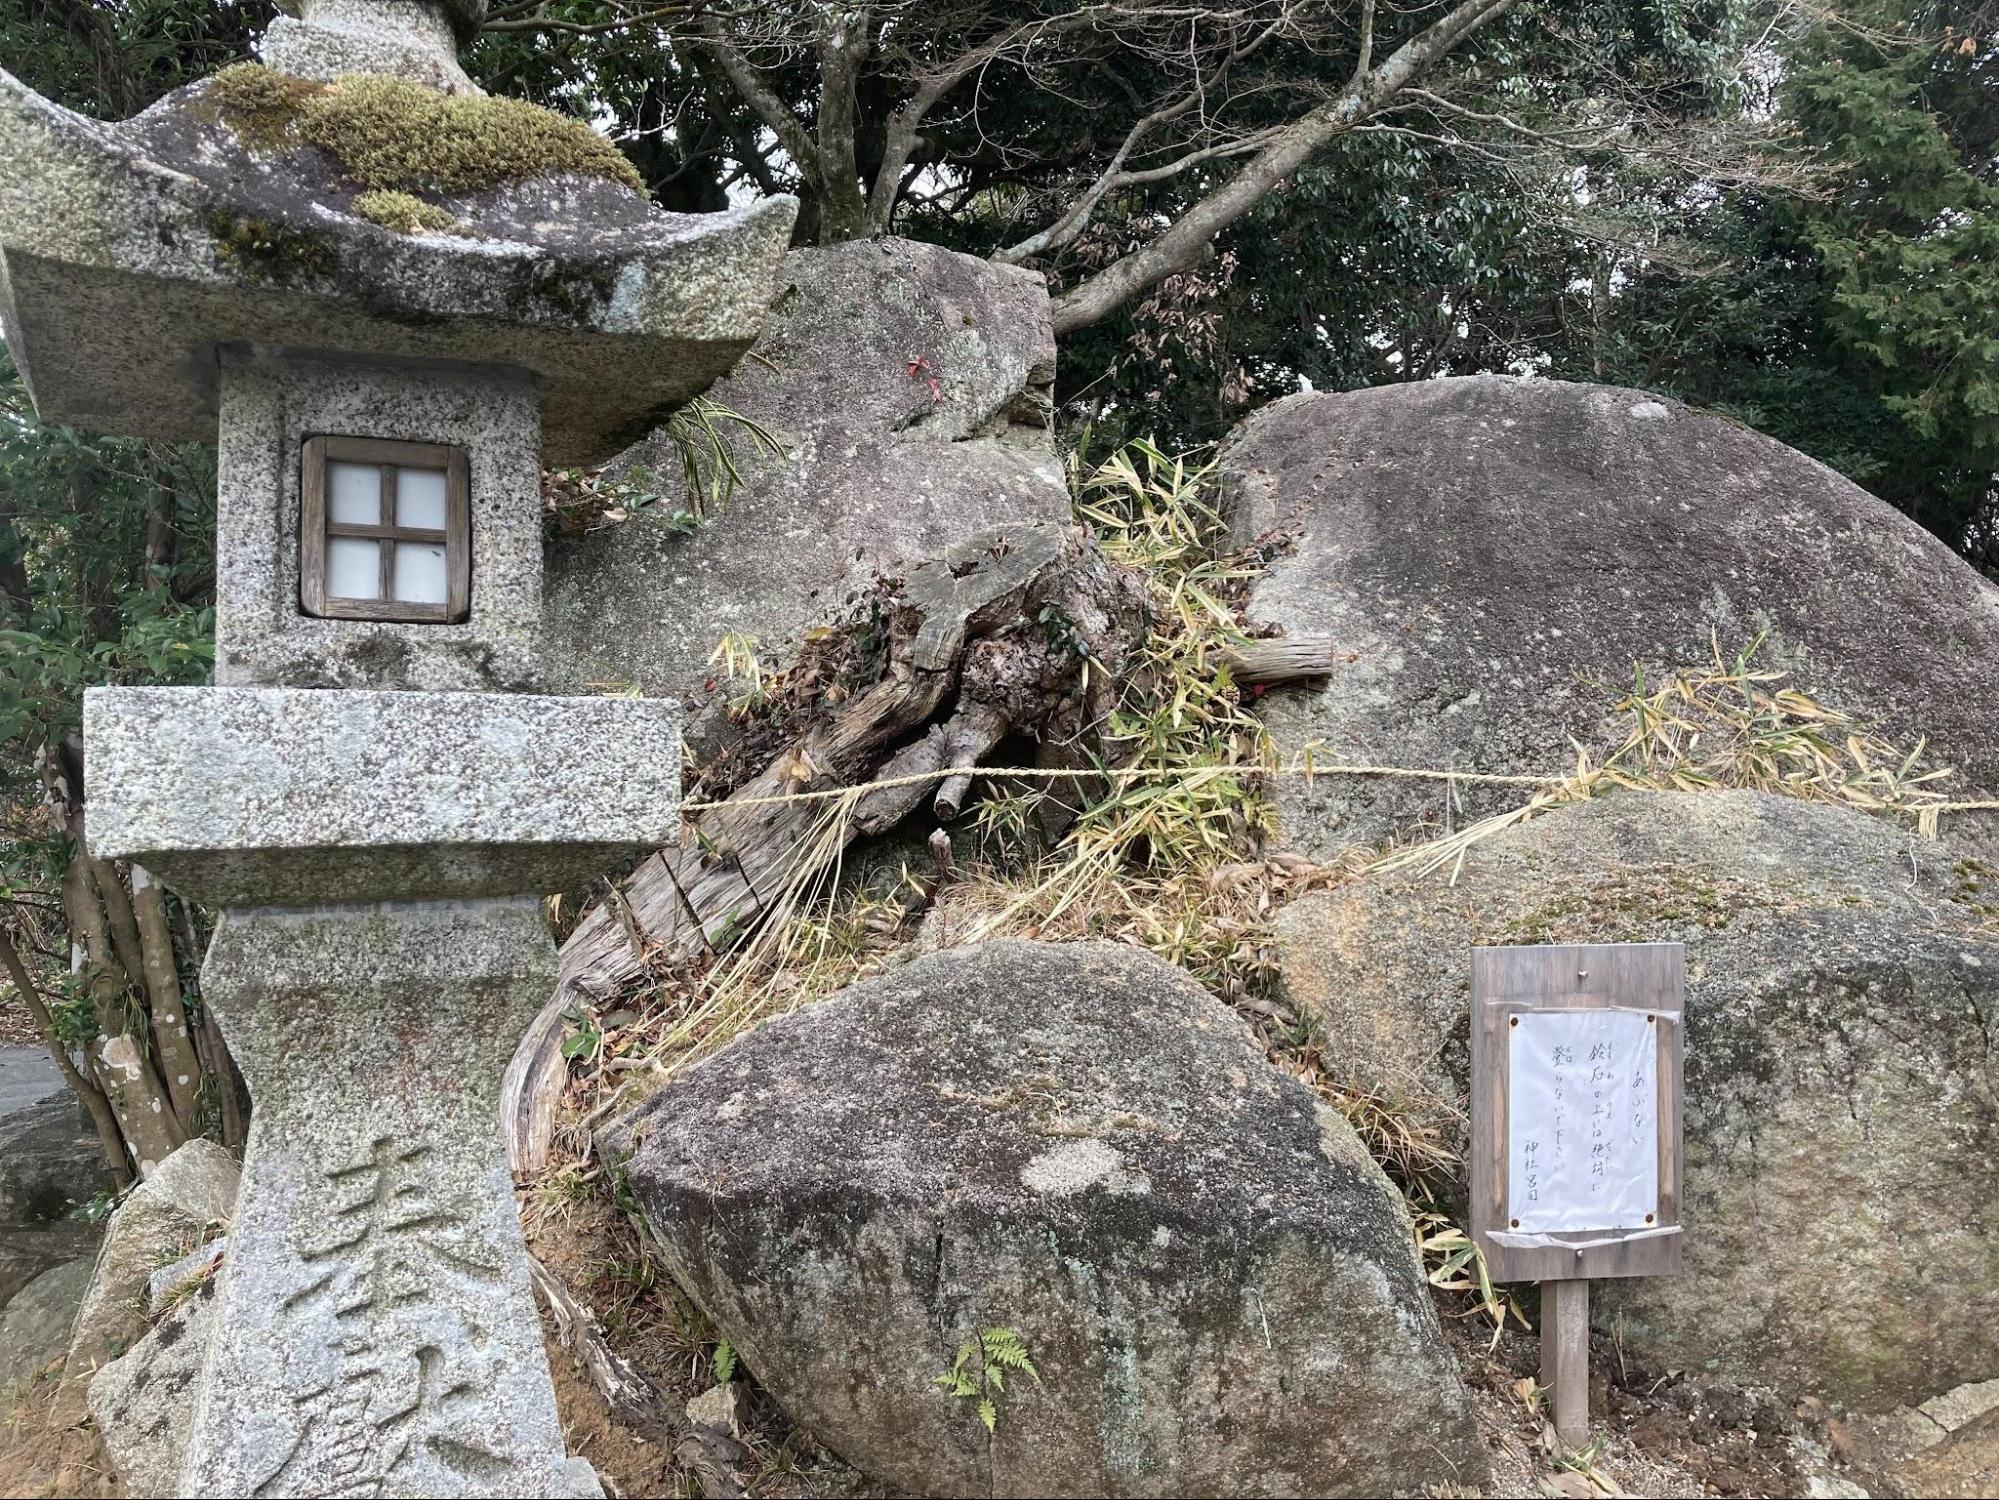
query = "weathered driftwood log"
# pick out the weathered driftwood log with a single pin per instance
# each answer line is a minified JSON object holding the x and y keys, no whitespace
{"x":1024,"y":633}
{"x":1282,"y":659}
{"x":987,"y":641}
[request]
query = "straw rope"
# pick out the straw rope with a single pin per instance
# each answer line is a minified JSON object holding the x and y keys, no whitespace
{"x":1306,"y":768}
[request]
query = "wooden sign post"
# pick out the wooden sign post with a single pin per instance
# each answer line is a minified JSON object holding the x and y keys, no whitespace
{"x":1576,"y":1057}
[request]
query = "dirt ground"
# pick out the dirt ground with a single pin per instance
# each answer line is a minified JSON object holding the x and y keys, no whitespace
{"x":596,"y":1252}
{"x":44,"y":1452}
{"x":1652,"y":1434}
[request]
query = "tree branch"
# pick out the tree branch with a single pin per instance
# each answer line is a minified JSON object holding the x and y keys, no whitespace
{"x":897,"y":147}
{"x":173,"y":1046}
{"x":1184,"y":241}
{"x":843,"y":212}
{"x":1065,"y":230}
{"x":633,"y":1400}
{"x":108,"y":1133}
{"x":901,"y":139}
{"x":535,"y":21}
{"x":789,"y":129}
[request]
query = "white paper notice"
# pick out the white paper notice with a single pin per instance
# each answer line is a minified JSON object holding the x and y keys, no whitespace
{"x":1582,"y":1121}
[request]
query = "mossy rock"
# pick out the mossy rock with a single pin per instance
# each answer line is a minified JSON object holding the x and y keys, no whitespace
{"x":1975,"y":887}
{"x":403,"y":212}
{"x":227,"y":210}
{"x":275,"y":251}
{"x":395,"y":135}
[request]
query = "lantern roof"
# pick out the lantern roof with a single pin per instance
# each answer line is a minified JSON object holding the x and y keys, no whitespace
{"x":388,"y":214}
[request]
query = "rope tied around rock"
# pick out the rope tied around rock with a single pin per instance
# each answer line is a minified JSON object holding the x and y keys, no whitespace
{"x":1303,"y":767}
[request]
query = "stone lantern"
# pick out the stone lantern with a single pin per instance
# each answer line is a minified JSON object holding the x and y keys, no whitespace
{"x":390,"y":297}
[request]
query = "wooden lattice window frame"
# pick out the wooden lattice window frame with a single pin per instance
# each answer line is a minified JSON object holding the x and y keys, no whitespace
{"x":317,"y":454}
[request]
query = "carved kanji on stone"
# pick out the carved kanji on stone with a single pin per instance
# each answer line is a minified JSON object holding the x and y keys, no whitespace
{"x":389,"y":1237}
{"x":396,"y":1405}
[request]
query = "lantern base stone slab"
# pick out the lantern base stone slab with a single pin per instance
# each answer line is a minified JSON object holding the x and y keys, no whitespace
{"x":240,"y":796}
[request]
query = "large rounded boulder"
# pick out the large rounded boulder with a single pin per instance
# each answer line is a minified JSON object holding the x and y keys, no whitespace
{"x":909,"y":388}
{"x":51,"y":1161}
{"x":1076,"y":1156}
{"x":1841,"y":1187}
{"x":1494,"y":555}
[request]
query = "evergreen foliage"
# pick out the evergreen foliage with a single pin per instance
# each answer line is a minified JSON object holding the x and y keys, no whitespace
{"x":106,"y":576}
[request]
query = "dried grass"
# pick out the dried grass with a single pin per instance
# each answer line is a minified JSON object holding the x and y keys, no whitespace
{"x":1156,"y":857}
{"x":1729,"y":723}
{"x":705,"y":436}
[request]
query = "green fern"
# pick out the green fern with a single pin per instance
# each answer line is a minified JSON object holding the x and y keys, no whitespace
{"x":996,"y":1350}
{"x":1004,"y":1350}
{"x":725,"y":1361}
{"x":955,"y":1380}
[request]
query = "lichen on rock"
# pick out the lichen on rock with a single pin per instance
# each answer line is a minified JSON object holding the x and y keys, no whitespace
{"x":1074,"y":1143}
{"x":1488,"y":551}
{"x":265,"y":167}
{"x":397,"y":135}
{"x":883,"y":470}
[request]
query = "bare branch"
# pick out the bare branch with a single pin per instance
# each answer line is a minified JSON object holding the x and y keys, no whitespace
{"x":1184,"y":241}
{"x":527,"y":18}
{"x":789,"y":129}
{"x":1565,"y":140}
{"x":108,"y":1134}
{"x":903,"y":126}
{"x":1066,"y":229}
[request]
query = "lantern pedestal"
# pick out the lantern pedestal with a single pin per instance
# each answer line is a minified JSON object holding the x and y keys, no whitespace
{"x":379,"y":858}
{"x":376,"y":1332}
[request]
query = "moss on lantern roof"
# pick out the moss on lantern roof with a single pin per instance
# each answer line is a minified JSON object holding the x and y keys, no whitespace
{"x":395,"y":136}
{"x":403,"y":212}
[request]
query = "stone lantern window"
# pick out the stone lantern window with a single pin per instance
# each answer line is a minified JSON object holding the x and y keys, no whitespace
{"x":385,"y":530}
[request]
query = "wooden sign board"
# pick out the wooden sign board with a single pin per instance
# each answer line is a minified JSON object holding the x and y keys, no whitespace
{"x":1576,"y":1059}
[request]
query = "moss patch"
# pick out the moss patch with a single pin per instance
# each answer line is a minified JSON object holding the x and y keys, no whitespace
{"x":1975,"y":886}
{"x":273,"y":251}
{"x":1631,"y":906}
{"x":403,"y":212}
{"x":258,"y":104}
{"x":393,"y":135}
